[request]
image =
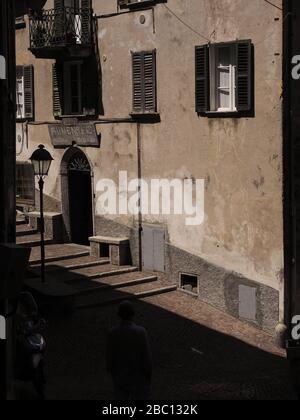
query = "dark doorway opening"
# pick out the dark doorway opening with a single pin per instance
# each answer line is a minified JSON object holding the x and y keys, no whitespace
{"x":80,"y":199}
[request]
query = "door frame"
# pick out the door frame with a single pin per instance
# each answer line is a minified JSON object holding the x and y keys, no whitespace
{"x":65,"y":203}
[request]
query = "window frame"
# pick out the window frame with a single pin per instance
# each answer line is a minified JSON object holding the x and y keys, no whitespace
{"x":67,"y":90}
{"x":20,"y":117}
{"x":205,"y":81}
{"x":214,"y":52}
{"x":26,"y":73}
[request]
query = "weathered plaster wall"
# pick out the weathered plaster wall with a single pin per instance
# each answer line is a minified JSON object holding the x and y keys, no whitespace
{"x":240,"y":159}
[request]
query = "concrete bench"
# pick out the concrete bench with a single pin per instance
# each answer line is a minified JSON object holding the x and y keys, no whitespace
{"x":117,"y":249}
{"x":53,"y":224}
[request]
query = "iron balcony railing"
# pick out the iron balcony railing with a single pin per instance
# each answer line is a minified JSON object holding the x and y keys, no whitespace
{"x":60,"y":27}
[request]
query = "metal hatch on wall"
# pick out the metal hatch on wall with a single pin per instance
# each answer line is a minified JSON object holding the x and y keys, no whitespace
{"x":153,"y":248}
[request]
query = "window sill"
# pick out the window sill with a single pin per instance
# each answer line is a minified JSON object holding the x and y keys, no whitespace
{"x":23,"y":120}
{"x":231,"y":114}
{"x":140,"y":4}
{"x":146,"y":116}
{"x":76,"y":116}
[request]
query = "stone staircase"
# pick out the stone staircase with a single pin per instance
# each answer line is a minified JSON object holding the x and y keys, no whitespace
{"x":74,"y":271}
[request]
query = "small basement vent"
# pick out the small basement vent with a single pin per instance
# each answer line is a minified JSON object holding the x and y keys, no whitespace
{"x":189,"y":283}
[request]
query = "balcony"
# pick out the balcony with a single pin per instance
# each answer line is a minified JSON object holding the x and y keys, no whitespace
{"x":61,"y":33}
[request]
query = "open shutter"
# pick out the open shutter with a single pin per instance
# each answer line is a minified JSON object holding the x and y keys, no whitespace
{"x":202,"y":79}
{"x":86,"y":21}
{"x":57,"y":89}
{"x":137,"y":72}
{"x":244,"y":75}
{"x":59,"y":21}
{"x":28,"y":92}
{"x":150,"y":81}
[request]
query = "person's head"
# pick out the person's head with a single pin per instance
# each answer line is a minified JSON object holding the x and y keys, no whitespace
{"x":126,"y":311}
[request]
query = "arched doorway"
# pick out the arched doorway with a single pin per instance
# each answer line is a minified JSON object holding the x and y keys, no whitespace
{"x":77,"y":196}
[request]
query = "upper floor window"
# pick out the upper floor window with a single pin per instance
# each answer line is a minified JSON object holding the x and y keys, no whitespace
{"x":144,"y":82}
{"x":75,"y":88}
{"x":224,"y":78}
{"x":24,"y":93}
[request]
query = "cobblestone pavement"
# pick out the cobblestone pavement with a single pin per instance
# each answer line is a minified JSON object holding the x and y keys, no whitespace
{"x":192,"y":360}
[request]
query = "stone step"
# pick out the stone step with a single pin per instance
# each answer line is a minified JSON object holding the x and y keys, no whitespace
{"x":21,"y":221}
{"x":25,"y":230}
{"x":70,"y":263}
{"x":86,"y":286}
{"x":114,"y":295}
{"x":32,"y":240}
{"x":64,"y":275}
{"x":59,"y":253}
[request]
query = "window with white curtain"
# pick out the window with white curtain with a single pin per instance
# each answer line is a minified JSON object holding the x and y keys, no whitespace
{"x":223,"y":78}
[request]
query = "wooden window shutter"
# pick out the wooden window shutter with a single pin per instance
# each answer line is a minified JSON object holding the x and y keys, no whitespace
{"x":57,"y":89}
{"x":150,"y":81}
{"x":28,"y":92}
{"x":202,"y":79}
{"x":59,"y":20}
{"x":144,"y":82}
{"x":244,"y":75}
{"x":138,"y":94}
{"x":86,"y":21}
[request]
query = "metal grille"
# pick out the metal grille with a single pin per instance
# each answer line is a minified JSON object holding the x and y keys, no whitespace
{"x":79,"y":163}
{"x":59,"y":27}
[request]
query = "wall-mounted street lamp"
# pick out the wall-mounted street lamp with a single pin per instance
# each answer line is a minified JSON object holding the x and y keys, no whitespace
{"x":41,"y":161}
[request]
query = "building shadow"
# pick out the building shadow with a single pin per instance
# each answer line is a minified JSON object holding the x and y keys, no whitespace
{"x":191,"y":361}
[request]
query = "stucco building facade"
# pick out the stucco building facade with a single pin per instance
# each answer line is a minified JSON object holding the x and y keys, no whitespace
{"x":232,"y":138}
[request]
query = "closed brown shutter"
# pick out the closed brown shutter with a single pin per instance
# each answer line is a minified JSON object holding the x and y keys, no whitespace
{"x":57,"y":89}
{"x":144,"y":82}
{"x":150,"y":81}
{"x":244,"y":75}
{"x":202,"y":79}
{"x":28,"y":92}
{"x":59,"y":21}
{"x":137,"y":59}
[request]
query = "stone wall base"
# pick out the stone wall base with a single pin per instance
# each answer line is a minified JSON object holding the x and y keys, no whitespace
{"x":218,"y":287}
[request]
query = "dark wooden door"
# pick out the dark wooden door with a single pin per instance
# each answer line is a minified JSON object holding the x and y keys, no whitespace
{"x":80,"y":205}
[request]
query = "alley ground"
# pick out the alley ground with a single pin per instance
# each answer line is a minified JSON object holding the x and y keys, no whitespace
{"x":199,"y":352}
{"x":192,"y":360}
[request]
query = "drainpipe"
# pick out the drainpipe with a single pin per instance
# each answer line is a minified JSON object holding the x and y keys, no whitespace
{"x":140,"y":215}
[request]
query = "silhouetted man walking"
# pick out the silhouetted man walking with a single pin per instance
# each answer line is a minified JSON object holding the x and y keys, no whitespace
{"x":129,"y":357}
